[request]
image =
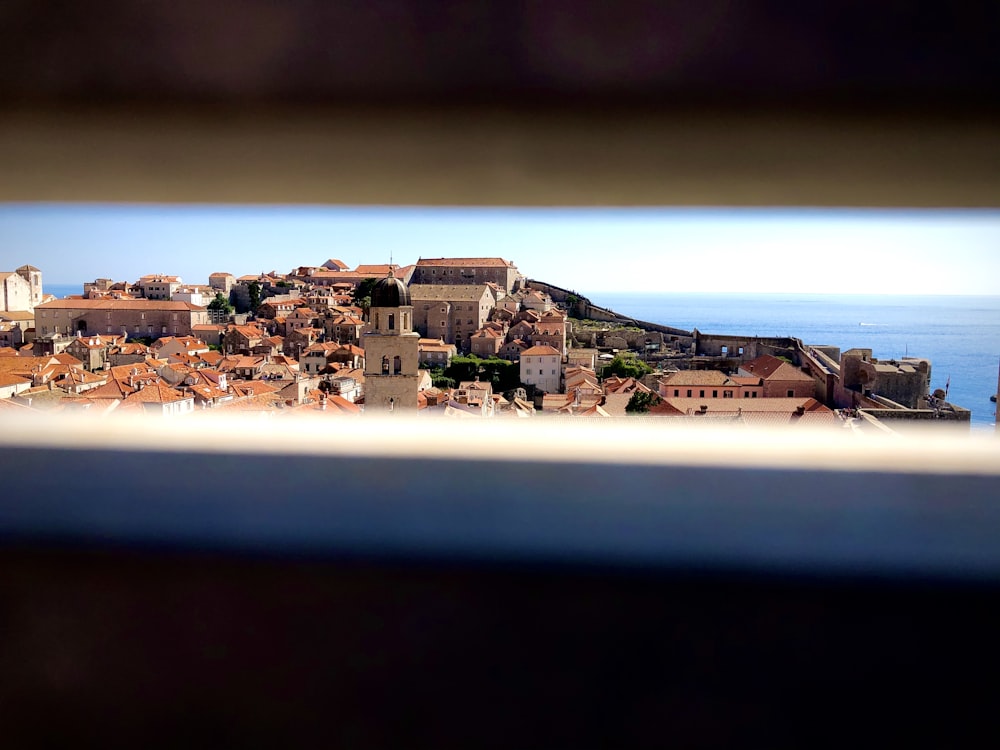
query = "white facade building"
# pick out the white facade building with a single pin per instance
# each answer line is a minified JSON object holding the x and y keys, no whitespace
{"x":541,"y":366}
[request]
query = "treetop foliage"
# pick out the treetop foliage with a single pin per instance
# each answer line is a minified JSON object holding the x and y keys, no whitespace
{"x":626,"y":366}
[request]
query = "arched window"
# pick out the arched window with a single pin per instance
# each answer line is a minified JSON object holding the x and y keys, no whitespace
{"x":385,"y":365}
{"x":397,"y":365}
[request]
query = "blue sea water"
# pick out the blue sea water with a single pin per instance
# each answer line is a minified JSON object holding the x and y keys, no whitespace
{"x":959,"y":334}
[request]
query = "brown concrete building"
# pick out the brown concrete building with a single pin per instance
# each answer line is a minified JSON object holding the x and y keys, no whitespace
{"x":486,"y":342}
{"x":550,"y":330}
{"x":465,"y":271}
{"x":134,"y":318}
{"x":343,"y":327}
{"x":158,"y":286}
{"x":435,"y":353}
{"x":222,"y":282}
{"x":709,"y":384}
{"x":93,"y":351}
{"x":781,"y":379}
{"x":451,"y":312}
{"x":242,"y":339}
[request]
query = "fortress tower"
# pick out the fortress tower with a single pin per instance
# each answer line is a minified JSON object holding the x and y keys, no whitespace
{"x":391,"y":360}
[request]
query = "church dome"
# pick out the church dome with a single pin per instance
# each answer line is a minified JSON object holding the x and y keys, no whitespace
{"x":390,"y":292}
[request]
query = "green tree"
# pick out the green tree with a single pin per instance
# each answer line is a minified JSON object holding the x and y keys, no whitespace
{"x":640,"y":402}
{"x":220,"y":303}
{"x":501,"y":373}
{"x":362,"y":295}
{"x":255,"y":291}
{"x":626,"y":366}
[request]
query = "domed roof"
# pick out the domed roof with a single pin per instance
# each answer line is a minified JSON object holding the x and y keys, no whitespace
{"x":390,"y":292}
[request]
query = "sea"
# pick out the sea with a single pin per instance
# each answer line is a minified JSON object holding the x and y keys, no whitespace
{"x":960,"y":335}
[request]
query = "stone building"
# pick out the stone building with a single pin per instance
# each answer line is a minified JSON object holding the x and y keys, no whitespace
{"x":132,"y":317}
{"x":391,"y":359}
{"x":93,"y":351}
{"x":222,"y":282}
{"x":158,"y":286}
{"x":20,"y":289}
{"x":465,"y":271}
{"x":541,"y":366}
{"x":781,"y":379}
{"x":436,"y":353}
{"x":451,"y":312}
{"x":905,"y":381}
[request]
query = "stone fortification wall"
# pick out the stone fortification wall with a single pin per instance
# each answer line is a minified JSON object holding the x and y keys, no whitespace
{"x":921,"y":415}
{"x":630,"y":338}
{"x":823,"y":370}
{"x":745,"y":348}
{"x":585,"y":309}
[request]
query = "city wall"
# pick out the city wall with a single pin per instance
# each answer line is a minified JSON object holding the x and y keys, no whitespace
{"x":585,"y":309}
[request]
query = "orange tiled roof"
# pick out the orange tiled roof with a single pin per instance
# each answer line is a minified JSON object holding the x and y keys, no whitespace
{"x":156,"y":393}
{"x":697,"y":378}
{"x":542,"y":350}
{"x":763,"y":365}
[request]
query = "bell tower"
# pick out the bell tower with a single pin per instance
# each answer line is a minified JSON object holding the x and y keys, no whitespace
{"x":392,"y":365}
{"x":34,"y":278}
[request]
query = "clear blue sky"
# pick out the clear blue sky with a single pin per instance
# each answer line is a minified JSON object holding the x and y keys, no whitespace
{"x":676,"y":250}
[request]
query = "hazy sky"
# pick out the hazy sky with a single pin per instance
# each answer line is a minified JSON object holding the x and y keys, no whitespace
{"x":642,"y":250}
